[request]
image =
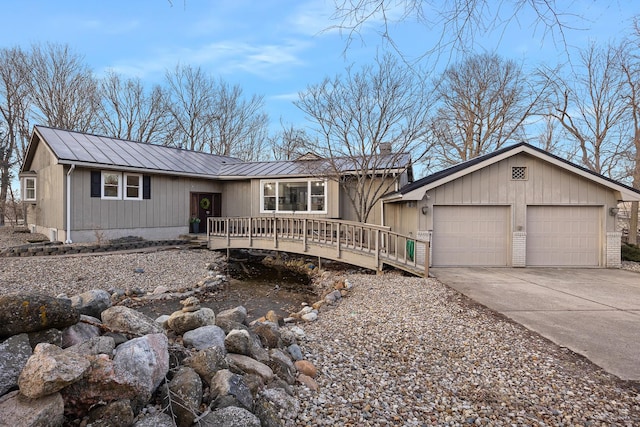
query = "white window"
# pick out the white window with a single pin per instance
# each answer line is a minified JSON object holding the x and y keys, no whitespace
{"x":294,"y":196}
{"x":111,"y":185}
{"x":132,"y":187}
{"x":29,"y":189}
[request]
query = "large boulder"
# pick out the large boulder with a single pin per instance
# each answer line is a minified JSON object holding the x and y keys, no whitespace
{"x":207,"y":362}
{"x":238,"y":341}
{"x":118,"y":413}
{"x":183,"y":321}
{"x":91,"y":303}
{"x":183,"y":396}
{"x":237,"y":314}
{"x":19,"y":410}
{"x":145,"y":359}
{"x":135,"y":372}
{"x":80,"y":332}
{"x":231,"y":416}
{"x":269,"y":333}
{"x":276,"y":408}
{"x":204,"y":337}
{"x":14,"y":353}
{"x":24,"y":312}
{"x":94,"y":346}
{"x":49,"y":370}
{"x":129,"y":321}
{"x":245,"y":364}
{"x":229,"y":387}
{"x":281,"y":365}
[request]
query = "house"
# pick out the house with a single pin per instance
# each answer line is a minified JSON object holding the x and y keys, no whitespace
{"x":79,"y":187}
{"x":518,"y":206}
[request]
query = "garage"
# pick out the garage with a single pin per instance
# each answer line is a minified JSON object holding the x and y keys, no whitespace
{"x":563,"y":236}
{"x":471,"y":236}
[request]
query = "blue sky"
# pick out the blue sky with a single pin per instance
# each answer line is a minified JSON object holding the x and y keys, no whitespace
{"x":273,"y":48}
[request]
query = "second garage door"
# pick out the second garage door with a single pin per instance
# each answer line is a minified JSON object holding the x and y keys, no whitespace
{"x":470,"y":236}
{"x":565,"y":236}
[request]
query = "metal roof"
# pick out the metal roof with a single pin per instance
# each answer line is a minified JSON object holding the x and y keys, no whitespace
{"x":89,"y":150}
{"x":101,"y":151}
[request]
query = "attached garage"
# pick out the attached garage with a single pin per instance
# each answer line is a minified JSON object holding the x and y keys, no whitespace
{"x":471,"y":236}
{"x":519,"y":206}
{"x":563,"y":236}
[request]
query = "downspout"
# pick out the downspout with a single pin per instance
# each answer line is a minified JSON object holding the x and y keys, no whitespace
{"x":73,"y":166}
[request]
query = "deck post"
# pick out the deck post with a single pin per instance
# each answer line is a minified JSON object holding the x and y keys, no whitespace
{"x":226,"y":223}
{"x":426,"y":260}
{"x":377,"y":243}
{"x":338,"y":239}
{"x":275,"y":232}
{"x":250,"y":232}
{"x":304,"y":236}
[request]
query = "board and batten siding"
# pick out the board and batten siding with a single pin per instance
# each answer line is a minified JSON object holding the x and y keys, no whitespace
{"x":237,"y":198}
{"x":47,"y":212}
{"x":546,"y":184}
{"x":167,"y":207}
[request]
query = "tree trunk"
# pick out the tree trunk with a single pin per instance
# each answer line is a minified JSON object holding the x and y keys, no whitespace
{"x":633,"y":224}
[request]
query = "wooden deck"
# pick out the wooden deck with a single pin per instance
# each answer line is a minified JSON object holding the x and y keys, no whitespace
{"x":365,"y":245}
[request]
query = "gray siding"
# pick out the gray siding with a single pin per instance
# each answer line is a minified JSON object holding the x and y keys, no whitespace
{"x":48,"y":212}
{"x":168,"y":206}
{"x":547,"y":184}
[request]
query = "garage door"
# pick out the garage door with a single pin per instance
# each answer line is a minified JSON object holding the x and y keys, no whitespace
{"x":470,"y":236}
{"x":566,"y":236}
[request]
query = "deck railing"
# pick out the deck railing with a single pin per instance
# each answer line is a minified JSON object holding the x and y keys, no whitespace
{"x":348,"y":240}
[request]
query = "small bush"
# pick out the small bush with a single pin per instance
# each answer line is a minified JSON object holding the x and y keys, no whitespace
{"x":630,"y":252}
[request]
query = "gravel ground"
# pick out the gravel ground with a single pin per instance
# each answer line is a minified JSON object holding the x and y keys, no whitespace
{"x":177,"y":269}
{"x":399,"y":351}
{"x":405,"y":351}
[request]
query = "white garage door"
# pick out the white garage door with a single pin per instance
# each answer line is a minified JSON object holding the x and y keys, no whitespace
{"x":470,"y":236}
{"x":563,"y":236}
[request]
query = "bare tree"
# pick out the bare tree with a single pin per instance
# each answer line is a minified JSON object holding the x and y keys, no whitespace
{"x":239,"y":126}
{"x":128,"y":112}
{"x":482,"y":104}
{"x":14,"y":110}
{"x":631,"y":70}
{"x":290,"y":143}
{"x":590,"y":105}
{"x":63,"y":89}
{"x":191,"y":103}
{"x":365,"y":123}
{"x":458,"y":23}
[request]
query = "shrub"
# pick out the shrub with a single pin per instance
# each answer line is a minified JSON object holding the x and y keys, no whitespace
{"x":630,"y":252}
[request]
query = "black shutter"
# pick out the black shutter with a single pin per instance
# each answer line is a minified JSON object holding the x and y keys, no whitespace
{"x":95,"y":184}
{"x":146,"y":187}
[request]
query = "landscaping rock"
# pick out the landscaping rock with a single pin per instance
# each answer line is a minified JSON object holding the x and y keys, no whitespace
{"x":14,"y":353}
{"x":231,"y":416}
{"x":282,"y":366}
{"x":250,"y":366}
{"x":80,"y":332}
{"x":183,"y":321}
{"x":129,"y":321}
{"x":238,"y":341}
{"x":94,"y":346}
{"x":306,"y":367}
{"x":49,"y":370}
{"x":276,"y":408}
{"x":156,"y":420}
{"x":184,"y":396}
{"x":24,"y":312}
{"x":91,"y":303}
{"x":237,"y":314}
{"x":227,"y":384}
{"x":207,"y":362}
{"x":118,"y":413}
{"x":204,"y":337}
{"x":269,"y":334}
{"x":19,"y":410}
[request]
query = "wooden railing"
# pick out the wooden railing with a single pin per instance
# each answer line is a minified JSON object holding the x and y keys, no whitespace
{"x":366,"y":245}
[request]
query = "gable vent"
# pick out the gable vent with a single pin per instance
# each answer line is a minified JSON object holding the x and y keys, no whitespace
{"x":519,"y":173}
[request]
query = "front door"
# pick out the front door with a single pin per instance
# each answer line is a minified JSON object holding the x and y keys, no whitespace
{"x":204,"y":205}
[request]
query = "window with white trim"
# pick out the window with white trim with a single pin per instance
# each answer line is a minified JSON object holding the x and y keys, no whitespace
{"x":111,"y":185}
{"x":132,"y":187}
{"x":29,"y":189}
{"x":293,"y":196}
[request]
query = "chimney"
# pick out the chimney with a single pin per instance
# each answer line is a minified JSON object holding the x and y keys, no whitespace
{"x":385,"y":148}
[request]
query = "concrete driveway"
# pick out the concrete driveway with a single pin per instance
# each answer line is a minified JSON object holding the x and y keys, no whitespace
{"x":594,"y":312}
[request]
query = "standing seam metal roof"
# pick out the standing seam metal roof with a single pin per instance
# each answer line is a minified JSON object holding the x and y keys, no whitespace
{"x":104,"y":152}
